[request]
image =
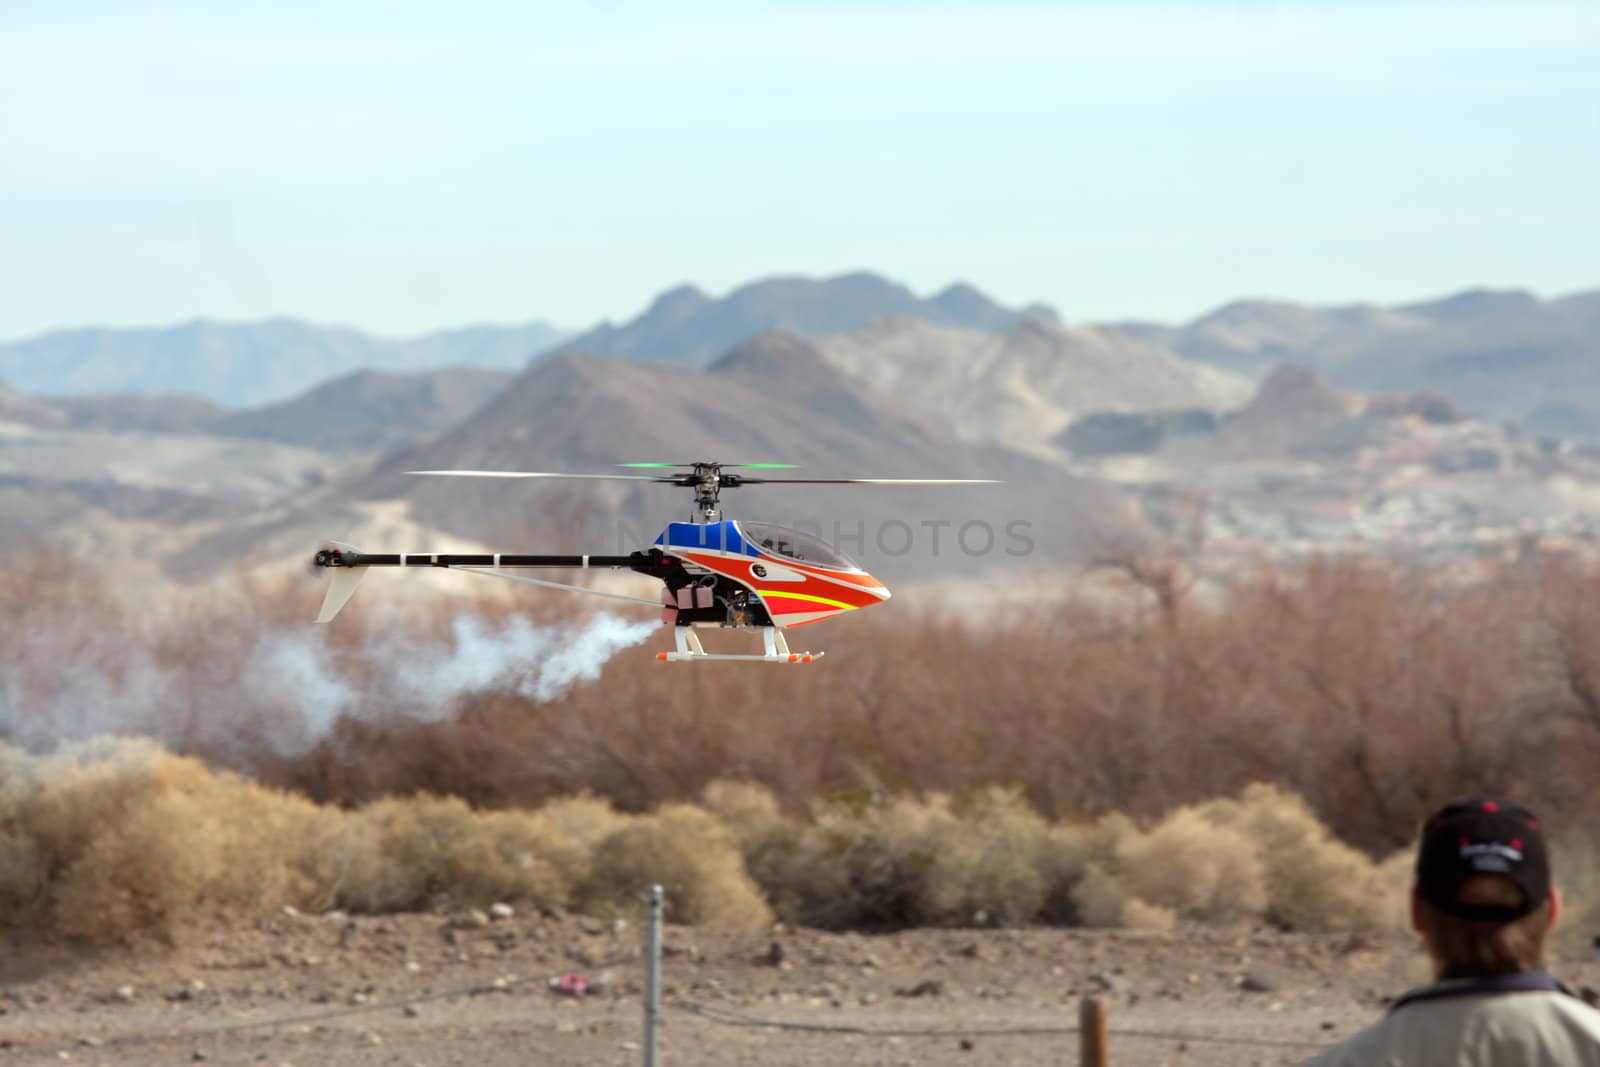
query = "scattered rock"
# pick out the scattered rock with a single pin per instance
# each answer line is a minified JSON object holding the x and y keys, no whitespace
{"x":123,"y":994}
{"x":775,"y":953}
{"x":499,"y":910}
{"x":867,"y":1000}
{"x":1252,"y":982}
{"x":410,"y":1011}
{"x":674,"y":948}
{"x":198,"y":1056}
{"x":928,"y":987}
{"x":471,"y":919}
{"x":179,"y":994}
{"x":966,"y":1045}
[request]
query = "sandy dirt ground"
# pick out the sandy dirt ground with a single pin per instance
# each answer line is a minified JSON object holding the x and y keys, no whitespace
{"x":430,"y":990}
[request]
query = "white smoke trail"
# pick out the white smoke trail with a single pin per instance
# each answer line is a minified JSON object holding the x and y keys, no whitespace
{"x":289,"y":689}
{"x":425,"y":680}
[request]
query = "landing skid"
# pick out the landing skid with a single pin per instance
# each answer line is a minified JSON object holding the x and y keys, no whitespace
{"x":777,"y":649}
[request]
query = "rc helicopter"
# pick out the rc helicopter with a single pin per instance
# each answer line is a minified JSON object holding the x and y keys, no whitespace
{"x":714,"y":572}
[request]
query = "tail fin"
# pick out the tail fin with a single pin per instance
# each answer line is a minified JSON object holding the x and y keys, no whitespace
{"x":341,"y":588}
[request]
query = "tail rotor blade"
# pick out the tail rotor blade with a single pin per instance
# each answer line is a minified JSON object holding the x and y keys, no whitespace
{"x":340,"y":590}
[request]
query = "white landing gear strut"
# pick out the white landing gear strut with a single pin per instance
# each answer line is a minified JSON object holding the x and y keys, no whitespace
{"x":776,"y":649}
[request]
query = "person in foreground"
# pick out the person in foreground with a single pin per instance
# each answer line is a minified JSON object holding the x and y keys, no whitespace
{"x":1483,"y":903}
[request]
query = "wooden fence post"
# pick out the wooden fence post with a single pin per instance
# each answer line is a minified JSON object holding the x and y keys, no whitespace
{"x":1092,"y":1032}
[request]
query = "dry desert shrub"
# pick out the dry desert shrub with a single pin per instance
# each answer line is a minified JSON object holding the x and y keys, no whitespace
{"x":419,"y":852}
{"x":1312,"y":880}
{"x":142,"y":843}
{"x":116,"y":841}
{"x":1195,"y":868}
{"x":1261,"y":855}
{"x":1575,"y":865}
{"x":1372,"y":689}
{"x":584,"y":819}
{"x":1063,"y":864}
{"x":691,"y":855}
{"x":1118,"y":861}
{"x":1099,"y":898}
{"x":1139,"y":915}
{"x":864,"y":863}
{"x":770,"y":843}
{"x":991,"y":862}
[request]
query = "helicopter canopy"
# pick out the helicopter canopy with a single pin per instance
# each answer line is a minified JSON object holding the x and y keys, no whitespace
{"x":796,"y":545}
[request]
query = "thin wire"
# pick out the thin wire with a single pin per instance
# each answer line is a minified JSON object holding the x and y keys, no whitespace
{"x":729,"y":1017}
{"x":477,"y":989}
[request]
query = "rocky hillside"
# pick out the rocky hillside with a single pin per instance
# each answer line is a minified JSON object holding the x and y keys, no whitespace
{"x":371,"y":409}
{"x":1022,"y":386}
{"x":1499,"y":355}
{"x":773,"y":399}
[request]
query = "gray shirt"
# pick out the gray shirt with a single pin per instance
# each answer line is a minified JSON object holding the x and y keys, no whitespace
{"x":1504,"y":1029}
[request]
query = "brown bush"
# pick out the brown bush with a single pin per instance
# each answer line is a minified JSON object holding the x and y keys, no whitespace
{"x":1311,"y":881}
{"x":770,"y":844}
{"x":991,"y":863}
{"x":691,"y":855}
{"x":1259,"y":856}
{"x":1194,"y":868}
{"x":1370,"y":689}
{"x":422,"y":852}
{"x":864,"y":863}
{"x":116,"y":841}
{"x":107,"y":843}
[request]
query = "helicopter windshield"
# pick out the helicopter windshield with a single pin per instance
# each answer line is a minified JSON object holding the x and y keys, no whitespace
{"x":795,"y":545}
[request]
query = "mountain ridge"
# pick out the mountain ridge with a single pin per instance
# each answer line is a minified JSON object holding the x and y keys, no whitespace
{"x":686,"y":326}
{"x":248,"y":364}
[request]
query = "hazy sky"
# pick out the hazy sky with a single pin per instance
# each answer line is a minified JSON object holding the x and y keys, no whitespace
{"x":402,"y":166}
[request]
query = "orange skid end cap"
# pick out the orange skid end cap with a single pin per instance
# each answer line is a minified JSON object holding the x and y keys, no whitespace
{"x":662,"y":656}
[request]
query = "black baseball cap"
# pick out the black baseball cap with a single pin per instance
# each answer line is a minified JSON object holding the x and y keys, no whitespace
{"x":1482,"y":834}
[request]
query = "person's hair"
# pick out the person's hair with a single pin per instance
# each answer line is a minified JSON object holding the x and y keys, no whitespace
{"x":1480,"y":947}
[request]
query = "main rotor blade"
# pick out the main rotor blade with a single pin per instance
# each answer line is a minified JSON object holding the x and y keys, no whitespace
{"x":545,"y":474}
{"x":870,"y":481}
{"x":724,"y":466}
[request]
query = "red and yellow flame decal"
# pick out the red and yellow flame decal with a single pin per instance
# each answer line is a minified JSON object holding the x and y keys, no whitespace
{"x":819,"y":594}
